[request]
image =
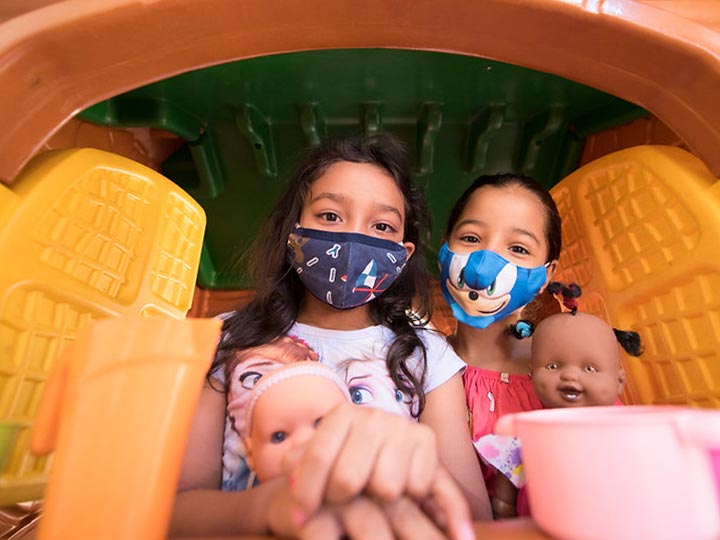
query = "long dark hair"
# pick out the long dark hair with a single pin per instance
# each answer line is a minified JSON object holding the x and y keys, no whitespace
{"x":552,"y":216}
{"x":279,"y":292}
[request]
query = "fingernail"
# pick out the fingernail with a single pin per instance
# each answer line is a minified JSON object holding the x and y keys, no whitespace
{"x":299,"y":517}
{"x":466,"y":532}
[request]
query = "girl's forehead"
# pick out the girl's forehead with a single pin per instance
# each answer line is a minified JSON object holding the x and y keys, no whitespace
{"x":506,"y":208}
{"x":504,"y":198}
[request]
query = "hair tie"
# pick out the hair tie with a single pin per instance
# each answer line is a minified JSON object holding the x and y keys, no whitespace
{"x":522,"y":329}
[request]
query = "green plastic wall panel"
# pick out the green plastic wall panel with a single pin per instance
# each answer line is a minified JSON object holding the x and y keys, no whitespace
{"x":246,"y":124}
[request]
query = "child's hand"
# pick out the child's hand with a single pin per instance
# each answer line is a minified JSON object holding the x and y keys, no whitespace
{"x":361,"y":518}
{"x":385,"y":457}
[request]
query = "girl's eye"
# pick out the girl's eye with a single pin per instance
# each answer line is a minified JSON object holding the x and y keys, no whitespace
{"x":249,"y":379}
{"x":360,"y":395}
{"x":385,"y":227}
{"x":504,"y":282}
{"x":552,"y":366}
{"x":590,"y":369}
{"x":519,"y":250}
{"x":317,"y":422}
{"x":330,"y":216}
{"x":402,"y":397}
{"x":470,"y":239}
{"x":277,"y":437}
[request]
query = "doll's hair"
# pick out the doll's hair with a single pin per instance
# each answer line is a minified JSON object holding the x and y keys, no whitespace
{"x":279,"y":291}
{"x":297,"y":369}
{"x":283,"y":350}
{"x":629,"y":341}
{"x":525,"y":327}
{"x":569,"y":293}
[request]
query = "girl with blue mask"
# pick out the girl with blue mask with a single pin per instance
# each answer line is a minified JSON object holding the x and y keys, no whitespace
{"x":503,"y":242}
{"x":335,"y":267}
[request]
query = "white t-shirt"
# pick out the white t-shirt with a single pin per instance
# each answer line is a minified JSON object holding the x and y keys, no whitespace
{"x":359,"y":359}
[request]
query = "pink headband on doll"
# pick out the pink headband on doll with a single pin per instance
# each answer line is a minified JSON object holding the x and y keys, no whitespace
{"x":287,"y":372}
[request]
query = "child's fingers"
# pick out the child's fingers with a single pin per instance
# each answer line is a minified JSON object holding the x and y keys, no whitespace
{"x":372,"y":430}
{"x":450,"y":507}
{"x":409,"y":522}
{"x":407,"y":463}
{"x":309,"y":477}
{"x":363,"y":519}
{"x":323,"y":526}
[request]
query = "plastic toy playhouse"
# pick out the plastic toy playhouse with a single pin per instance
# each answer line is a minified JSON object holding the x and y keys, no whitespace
{"x":144,"y":141}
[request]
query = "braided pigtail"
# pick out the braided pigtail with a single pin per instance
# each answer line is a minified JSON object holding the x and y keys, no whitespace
{"x":570,"y":293}
{"x":629,"y":341}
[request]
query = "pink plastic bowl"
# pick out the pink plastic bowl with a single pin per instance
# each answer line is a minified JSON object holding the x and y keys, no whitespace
{"x":621,"y":473}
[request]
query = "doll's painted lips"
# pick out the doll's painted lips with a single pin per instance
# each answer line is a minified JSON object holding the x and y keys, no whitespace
{"x":570,"y":393}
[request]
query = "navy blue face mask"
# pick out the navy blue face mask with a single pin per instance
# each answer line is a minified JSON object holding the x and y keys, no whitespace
{"x":345,"y":270}
{"x":482,"y":287}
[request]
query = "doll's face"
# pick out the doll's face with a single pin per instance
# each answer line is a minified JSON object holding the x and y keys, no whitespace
{"x":254,"y":363}
{"x":369,"y":384}
{"x":285,"y":417}
{"x":576,"y":362}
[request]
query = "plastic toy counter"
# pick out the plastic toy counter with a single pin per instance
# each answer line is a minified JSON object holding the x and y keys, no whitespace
{"x":514,"y":529}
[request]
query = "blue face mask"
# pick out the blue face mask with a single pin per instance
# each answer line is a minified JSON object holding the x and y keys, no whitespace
{"x":482,"y":287}
{"x":345,"y":270}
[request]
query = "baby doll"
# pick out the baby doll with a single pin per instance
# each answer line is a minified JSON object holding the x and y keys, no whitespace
{"x":242,"y":373}
{"x":575,"y":362}
{"x":284,"y":409}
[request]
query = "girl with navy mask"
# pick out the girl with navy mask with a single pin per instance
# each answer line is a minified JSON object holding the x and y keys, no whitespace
{"x":503,"y":242}
{"x":336,"y":267}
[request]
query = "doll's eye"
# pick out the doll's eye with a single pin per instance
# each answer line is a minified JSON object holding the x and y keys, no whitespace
{"x":277,"y":437}
{"x":504,"y":282}
{"x":360,"y":395}
{"x":590,"y":369}
{"x":249,"y":379}
{"x":552,"y":366}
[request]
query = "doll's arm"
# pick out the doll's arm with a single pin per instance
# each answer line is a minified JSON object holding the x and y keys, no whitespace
{"x":504,"y":499}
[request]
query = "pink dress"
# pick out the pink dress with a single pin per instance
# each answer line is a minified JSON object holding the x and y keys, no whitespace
{"x":492,"y":394}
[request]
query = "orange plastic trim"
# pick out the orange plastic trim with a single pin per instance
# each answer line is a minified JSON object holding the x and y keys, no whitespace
{"x":658,"y":58}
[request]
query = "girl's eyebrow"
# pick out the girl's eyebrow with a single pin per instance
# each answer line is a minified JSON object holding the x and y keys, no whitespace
{"x":389,"y":208}
{"x":471,"y":222}
{"x":527,"y":233}
{"x":340,"y":198}
{"x":517,"y":230}
{"x":337,"y":197}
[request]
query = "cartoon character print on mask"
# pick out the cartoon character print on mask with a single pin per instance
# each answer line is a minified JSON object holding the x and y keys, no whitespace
{"x":482,"y":287}
{"x":344,"y":270}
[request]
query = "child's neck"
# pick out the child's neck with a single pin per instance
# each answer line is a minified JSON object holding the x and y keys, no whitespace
{"x":315,"y":312}
{"x":492,"y":348}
